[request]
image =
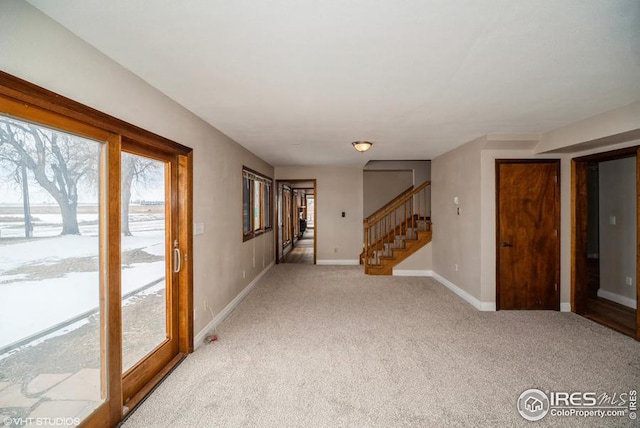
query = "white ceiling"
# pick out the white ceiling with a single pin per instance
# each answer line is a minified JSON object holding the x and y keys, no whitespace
{"x":296,"y":81}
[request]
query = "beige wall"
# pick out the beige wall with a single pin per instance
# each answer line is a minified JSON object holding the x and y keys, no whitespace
{"x":421,"y":172}
{"x":421,"y":168}
{"x":594,"y":132}
{"x":618,"y":241}
{"x":382,"y":186}
{"x":418,"y":264}
{"x":338,"y":239}
{"x":456,"y":237}
{"x":37,"y":49}
{"x":456,"y":172}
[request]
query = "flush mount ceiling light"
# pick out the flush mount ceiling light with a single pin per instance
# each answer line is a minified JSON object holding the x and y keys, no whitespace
{"x":362,"y":146}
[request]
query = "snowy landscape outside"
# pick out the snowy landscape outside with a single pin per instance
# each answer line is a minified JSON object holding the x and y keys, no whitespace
{"x":37,"y":293}
{"x":51,"y":332}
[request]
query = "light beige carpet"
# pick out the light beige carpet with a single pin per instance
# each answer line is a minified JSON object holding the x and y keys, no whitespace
{"x":322,"y":346}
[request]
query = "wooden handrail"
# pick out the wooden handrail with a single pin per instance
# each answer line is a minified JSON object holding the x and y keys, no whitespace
{"x":378,"y":211}
{"x":390,"y":207}
{"x":400,"y":221}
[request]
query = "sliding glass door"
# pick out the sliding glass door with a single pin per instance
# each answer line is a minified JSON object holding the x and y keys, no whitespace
{"x":150,"y":260}
{"x":53,"y":270}
{"x":95,"y":281}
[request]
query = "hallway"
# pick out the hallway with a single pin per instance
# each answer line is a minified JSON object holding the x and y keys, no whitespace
{"x":303,"y":250}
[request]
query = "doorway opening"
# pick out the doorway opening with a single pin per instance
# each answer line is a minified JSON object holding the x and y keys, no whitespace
{"x":605,"y":216}
{"x":297,"y":221}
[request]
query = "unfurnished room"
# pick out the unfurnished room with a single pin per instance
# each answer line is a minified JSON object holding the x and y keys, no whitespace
{"x":319,"y":214}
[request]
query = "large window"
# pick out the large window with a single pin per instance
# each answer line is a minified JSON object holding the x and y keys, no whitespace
{"x":256,"y":203}
{"x":53,"y":223}
{"x":94,"y":225}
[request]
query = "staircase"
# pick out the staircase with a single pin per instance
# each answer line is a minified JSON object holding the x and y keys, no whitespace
{"x":397,"y":230}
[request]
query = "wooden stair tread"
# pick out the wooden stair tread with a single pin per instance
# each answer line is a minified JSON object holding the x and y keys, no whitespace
{"x":386,"y":263}
{"x":397,"y":230}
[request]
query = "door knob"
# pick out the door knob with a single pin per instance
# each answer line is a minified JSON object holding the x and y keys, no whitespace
{"x":506,"y":244}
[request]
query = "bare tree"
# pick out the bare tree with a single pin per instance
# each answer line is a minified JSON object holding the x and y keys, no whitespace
{"x":18,"y":173}
{"x":58,"y":162}
{"x":138,"y":170}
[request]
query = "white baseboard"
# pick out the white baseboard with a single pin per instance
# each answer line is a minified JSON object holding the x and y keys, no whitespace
{"x":410,"y":272}
{"x":481,"y":306}
{"x":341,"y":262}
{"x":565,"y":307}
{"x":626,"y":301}
{"x":199,"y":338}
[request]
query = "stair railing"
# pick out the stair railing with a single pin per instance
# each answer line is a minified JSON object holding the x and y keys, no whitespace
{"x":397,"y":222}
{"x":376,"y":214}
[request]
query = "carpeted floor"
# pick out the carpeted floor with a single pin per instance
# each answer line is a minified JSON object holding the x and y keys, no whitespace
{"x":324,"y":346}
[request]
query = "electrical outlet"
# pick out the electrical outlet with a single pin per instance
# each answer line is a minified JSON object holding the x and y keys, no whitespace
{"x":244,"y":274}
{"x":629,"y":281}
{"x":456,"y":266}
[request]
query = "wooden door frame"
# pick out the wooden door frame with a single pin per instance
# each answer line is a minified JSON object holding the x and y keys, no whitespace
{"x":315,"y":214}
{"x":579,"y":226}
{"x":286,"y":225}
{"x":61,"y":112}
{"x":294,"y":216}
{"x":136,"y":378}
{"x":557,"y":204}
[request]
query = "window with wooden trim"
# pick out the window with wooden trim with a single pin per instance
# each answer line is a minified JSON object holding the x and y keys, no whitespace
{"x":256,"y":203}
{"x":111,"y":205}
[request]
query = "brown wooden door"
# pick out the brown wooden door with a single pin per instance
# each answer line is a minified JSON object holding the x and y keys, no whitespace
{"x":528,"y":245}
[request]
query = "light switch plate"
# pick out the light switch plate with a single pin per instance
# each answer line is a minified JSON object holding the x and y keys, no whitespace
{"x":198,"y":228}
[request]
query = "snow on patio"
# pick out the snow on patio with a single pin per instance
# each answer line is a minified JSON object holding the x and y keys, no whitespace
{"x":30,"y":306}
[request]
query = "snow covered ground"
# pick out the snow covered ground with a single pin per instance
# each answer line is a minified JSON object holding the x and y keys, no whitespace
{"x":30,"y":303}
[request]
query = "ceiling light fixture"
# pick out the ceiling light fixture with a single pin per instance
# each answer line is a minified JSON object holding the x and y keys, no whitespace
{"x":362,"y":146}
